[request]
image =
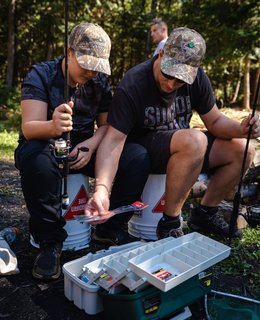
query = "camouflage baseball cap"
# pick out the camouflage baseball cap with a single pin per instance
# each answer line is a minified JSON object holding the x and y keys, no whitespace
{"x":184,"y":51}
{"x":92,"y":47}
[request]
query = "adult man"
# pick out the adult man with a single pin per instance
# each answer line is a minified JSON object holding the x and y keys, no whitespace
{"x":45,"y":116}
{"x":159,"y":33}
{"x":153,"y":106}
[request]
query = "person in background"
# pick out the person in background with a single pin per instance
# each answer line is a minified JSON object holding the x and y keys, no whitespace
{"x":153,"y":106}
{"x":45,"y":117}
{"x":159,"y":33}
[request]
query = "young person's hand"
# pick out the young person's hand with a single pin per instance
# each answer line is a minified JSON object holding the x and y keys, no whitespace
{"x":83,"y":155}
{"x":62,"y":118}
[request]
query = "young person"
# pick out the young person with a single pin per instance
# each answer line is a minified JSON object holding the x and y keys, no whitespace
{"x":45,"y":117}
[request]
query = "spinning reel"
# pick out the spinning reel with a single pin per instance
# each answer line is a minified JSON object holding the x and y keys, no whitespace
{"x":61,"y":149}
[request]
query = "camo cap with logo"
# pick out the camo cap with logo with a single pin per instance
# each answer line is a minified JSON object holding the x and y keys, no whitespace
{"x":184,"y":51}
{"x":92,"y":46}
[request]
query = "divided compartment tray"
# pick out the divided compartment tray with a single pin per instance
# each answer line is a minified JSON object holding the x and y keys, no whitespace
{"x":114,"y":269}
{"x":85,"y":295}
{"x":175,"y":261}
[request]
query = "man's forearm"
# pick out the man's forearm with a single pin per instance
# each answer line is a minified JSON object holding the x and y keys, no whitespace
{"x":108,"y":156}
{"x":227,"y":128}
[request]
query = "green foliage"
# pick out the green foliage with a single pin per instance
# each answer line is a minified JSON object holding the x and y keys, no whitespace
{"x":39,"y":33}
{"x":10,"y":114}
{"x":229,"y":37}
{"x":8,"y":143}
{"x":244,"y":258}
{"x":9,"y":97}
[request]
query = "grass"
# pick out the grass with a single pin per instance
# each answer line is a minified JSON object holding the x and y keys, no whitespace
{"x":8,"y":143}
{"x":244,"y":260}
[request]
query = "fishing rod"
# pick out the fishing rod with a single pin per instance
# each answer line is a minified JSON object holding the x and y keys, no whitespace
{"x":237,"y":197}
{"x":66,"y":135}
{"x":61,"y":147}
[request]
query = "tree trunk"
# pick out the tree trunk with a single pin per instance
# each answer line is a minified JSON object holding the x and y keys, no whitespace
{"x":153,"y":8}
{"x":257,"y":76}
{"x":225,"y":88}
{"x":50,"y":44}
{"x":234,"y":99}
{"x":152,"y":15}
{"x":10,"y":45}
{"x":246,"y":101}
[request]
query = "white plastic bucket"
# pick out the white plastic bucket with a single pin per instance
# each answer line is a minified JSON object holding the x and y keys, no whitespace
{"x":79,"y":233}
{"x":143,"y":224}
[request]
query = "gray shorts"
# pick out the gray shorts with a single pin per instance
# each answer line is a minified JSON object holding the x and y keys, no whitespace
{"x":157,"y":144}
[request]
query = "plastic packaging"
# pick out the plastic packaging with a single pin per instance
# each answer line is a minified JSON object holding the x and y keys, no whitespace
{"x":136,"y":206}
{"x":8,"y":260}
{"x":9,"y":234}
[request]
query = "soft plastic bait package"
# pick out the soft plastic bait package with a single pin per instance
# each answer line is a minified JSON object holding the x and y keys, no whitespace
{"x":136,"y":206}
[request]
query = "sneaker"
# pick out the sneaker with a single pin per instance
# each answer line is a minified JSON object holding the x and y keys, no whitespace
{"x":215,"y":223}
{"x":47,"y":263}
{"x":111,"y":237}
{"x":165,"y":229}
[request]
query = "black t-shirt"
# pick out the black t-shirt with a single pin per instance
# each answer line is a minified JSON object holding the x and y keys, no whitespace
{"x":138,"y":106}
{"x":45,"y":82}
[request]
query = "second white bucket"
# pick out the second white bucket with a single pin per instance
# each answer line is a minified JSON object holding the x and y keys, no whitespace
{"x":143,"y":224}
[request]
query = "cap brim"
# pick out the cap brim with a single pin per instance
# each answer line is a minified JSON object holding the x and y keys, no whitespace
{"x":181,"y":71}
{"x":93,"y":63}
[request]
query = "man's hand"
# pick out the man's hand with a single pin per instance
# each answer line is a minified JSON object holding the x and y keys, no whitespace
{"x":98,"y":205}
{"x":254,"y":122}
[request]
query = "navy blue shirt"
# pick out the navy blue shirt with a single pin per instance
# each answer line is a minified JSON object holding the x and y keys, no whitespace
{"x":45,"y":82}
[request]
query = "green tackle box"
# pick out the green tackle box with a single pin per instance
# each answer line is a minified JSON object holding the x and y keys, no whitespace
{"x":154,"y":304}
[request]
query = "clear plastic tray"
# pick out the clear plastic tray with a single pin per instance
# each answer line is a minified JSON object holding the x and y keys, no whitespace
{"x":114,"y":269}
{"x":177,"y":260}
{"x":85,"y":295}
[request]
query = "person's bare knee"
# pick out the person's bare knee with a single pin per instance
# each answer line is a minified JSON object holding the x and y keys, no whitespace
{"x":239,"y":146}
{"x":250,"y":154}
{"x":191,"y":143}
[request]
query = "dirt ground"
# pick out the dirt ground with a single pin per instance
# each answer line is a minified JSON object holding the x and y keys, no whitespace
{"x":21,"y":296}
